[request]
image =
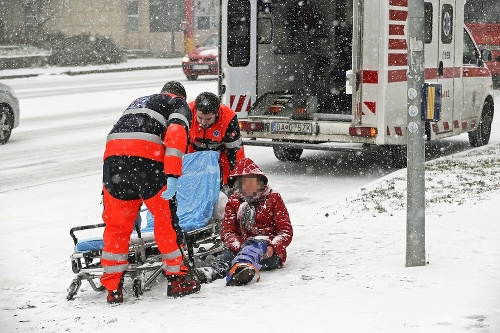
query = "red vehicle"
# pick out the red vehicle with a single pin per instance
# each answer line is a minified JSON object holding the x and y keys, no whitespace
{"x":203,"y":60}
{"x":482,"y":17}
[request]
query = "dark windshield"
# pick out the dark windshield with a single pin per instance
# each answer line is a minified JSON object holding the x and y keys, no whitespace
{"x":212,"y":41}
{"x":482,"y":11}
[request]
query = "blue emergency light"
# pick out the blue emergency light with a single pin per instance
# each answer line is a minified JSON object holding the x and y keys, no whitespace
{"x":431,"y":101}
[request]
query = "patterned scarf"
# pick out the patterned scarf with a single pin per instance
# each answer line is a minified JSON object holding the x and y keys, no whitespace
{"x":246,"y":211}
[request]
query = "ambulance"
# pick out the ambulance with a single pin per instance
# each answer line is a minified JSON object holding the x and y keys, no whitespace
{"x":332,"y":74}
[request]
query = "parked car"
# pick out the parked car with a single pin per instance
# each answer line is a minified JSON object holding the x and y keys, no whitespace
{"x":203,"y":60}
{"x":9,"y":112}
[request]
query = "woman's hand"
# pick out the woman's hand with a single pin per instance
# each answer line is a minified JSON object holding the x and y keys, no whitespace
{"x":269,"y":252}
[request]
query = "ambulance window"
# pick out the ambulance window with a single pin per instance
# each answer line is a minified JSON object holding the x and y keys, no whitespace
{"x":238,"y":33}
{"x":447,"y":24}
{"x":470,"y":56}
{"x":264,"y":30}
{"x":428,"y":16}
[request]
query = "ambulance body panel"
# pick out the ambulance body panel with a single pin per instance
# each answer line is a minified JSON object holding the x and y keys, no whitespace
{"x":316,"y":74}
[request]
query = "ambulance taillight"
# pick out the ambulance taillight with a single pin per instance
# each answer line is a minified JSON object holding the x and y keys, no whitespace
{"x":251,"y":126}
{"x":366,"y":132}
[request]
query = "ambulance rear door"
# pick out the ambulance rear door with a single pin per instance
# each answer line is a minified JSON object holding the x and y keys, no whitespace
{"x":237,"y":72}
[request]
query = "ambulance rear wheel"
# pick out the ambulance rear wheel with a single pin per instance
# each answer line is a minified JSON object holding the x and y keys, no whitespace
{"x":287,"y":154}
{"x":398,"y":156}
{"x":192,"y":77}
{"x":481,"y":135}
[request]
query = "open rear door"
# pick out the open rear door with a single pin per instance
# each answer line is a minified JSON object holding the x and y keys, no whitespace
{"x":238,"y":74}
{"x":447,"y":72}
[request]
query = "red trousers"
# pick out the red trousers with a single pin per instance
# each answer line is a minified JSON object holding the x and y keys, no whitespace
{"x":119,"y":217}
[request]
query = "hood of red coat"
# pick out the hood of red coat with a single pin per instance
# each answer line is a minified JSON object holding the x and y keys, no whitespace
{"x":244,"y":167}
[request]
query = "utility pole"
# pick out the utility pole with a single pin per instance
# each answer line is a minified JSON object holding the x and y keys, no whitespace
{"x":415,"y":214}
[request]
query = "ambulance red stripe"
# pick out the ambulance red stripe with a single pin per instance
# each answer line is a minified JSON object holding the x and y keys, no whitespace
{"x":397,"y":44}
{"x":400,"y":3}
{"x":398,"y":15}
{"x":396,"y":29}
{"x":397,"y":59}
{"x":369,"y":76}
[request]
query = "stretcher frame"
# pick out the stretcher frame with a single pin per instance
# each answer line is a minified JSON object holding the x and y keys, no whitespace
{"x":200,"y":240}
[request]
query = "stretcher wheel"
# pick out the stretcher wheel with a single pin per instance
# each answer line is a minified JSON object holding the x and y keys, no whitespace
{"x":73,"y":288}
{"x":137,"y":288}
{"x":75,"y":266}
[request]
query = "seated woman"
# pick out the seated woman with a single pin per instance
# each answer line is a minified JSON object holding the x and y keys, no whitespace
{"x":256,"y":229}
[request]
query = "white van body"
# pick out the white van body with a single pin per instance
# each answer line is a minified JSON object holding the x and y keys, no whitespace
{"x":327,"y":74}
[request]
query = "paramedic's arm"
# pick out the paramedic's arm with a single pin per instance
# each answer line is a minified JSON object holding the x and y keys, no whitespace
{"x":176,"y":138}
{"x":233,"y":143}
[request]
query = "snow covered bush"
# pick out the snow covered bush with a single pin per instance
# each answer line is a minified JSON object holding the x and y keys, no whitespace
{"x":83,"y":49}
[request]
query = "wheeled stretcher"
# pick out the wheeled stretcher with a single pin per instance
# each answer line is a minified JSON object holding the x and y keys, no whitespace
{"x":200,"y":211}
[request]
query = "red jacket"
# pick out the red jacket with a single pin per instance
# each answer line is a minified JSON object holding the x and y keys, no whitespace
{"x":223,"y":136}
{"x":272,"y":221}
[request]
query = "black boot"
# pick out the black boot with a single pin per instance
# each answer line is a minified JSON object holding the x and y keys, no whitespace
{"x":182,"y":285}
{"x":116,"y":296}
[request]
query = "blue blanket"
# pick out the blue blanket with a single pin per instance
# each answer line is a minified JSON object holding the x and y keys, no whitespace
{"x":198,"y":189}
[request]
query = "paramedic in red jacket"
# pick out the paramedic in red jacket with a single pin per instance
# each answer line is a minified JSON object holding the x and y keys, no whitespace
{"x":215,"y":127}
{"x":142,"y":162}
{"x":256,"y":229}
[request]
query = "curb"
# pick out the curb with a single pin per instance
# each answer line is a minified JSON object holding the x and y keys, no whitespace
{"x":94,"y":71}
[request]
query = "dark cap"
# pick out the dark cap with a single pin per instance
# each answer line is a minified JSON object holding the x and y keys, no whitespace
{"x":174,"y":87}
{"x":207,"y":103}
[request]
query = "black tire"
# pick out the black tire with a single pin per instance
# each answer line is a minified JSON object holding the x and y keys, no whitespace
{"x":137,"y":288}
{"x":73,"y":288}
{"x":398,"y":156}
{"x":192,"y":77}
{"x":6,"y":124}
{"x":284,"y":153}
{"x":76,"y":266}
{"x":481,"y":135}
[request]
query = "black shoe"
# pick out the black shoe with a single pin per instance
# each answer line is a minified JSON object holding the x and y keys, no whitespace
{"x":204,"y":274}
{"x":183,"y":285}
{"x":115,"y":296}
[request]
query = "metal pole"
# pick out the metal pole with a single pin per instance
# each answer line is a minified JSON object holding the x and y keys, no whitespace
{"x":415,"y":215}
{"x":189,"y":26}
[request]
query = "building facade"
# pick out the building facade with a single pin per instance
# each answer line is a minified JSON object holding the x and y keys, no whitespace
{"x":147,"y":26}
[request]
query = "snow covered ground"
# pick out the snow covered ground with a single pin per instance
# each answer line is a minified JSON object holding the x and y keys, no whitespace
{"x":345,"y":273}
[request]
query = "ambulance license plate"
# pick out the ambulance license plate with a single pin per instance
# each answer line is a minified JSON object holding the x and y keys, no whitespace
{"x":199,"y":67}
{"x":304,"y":128}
